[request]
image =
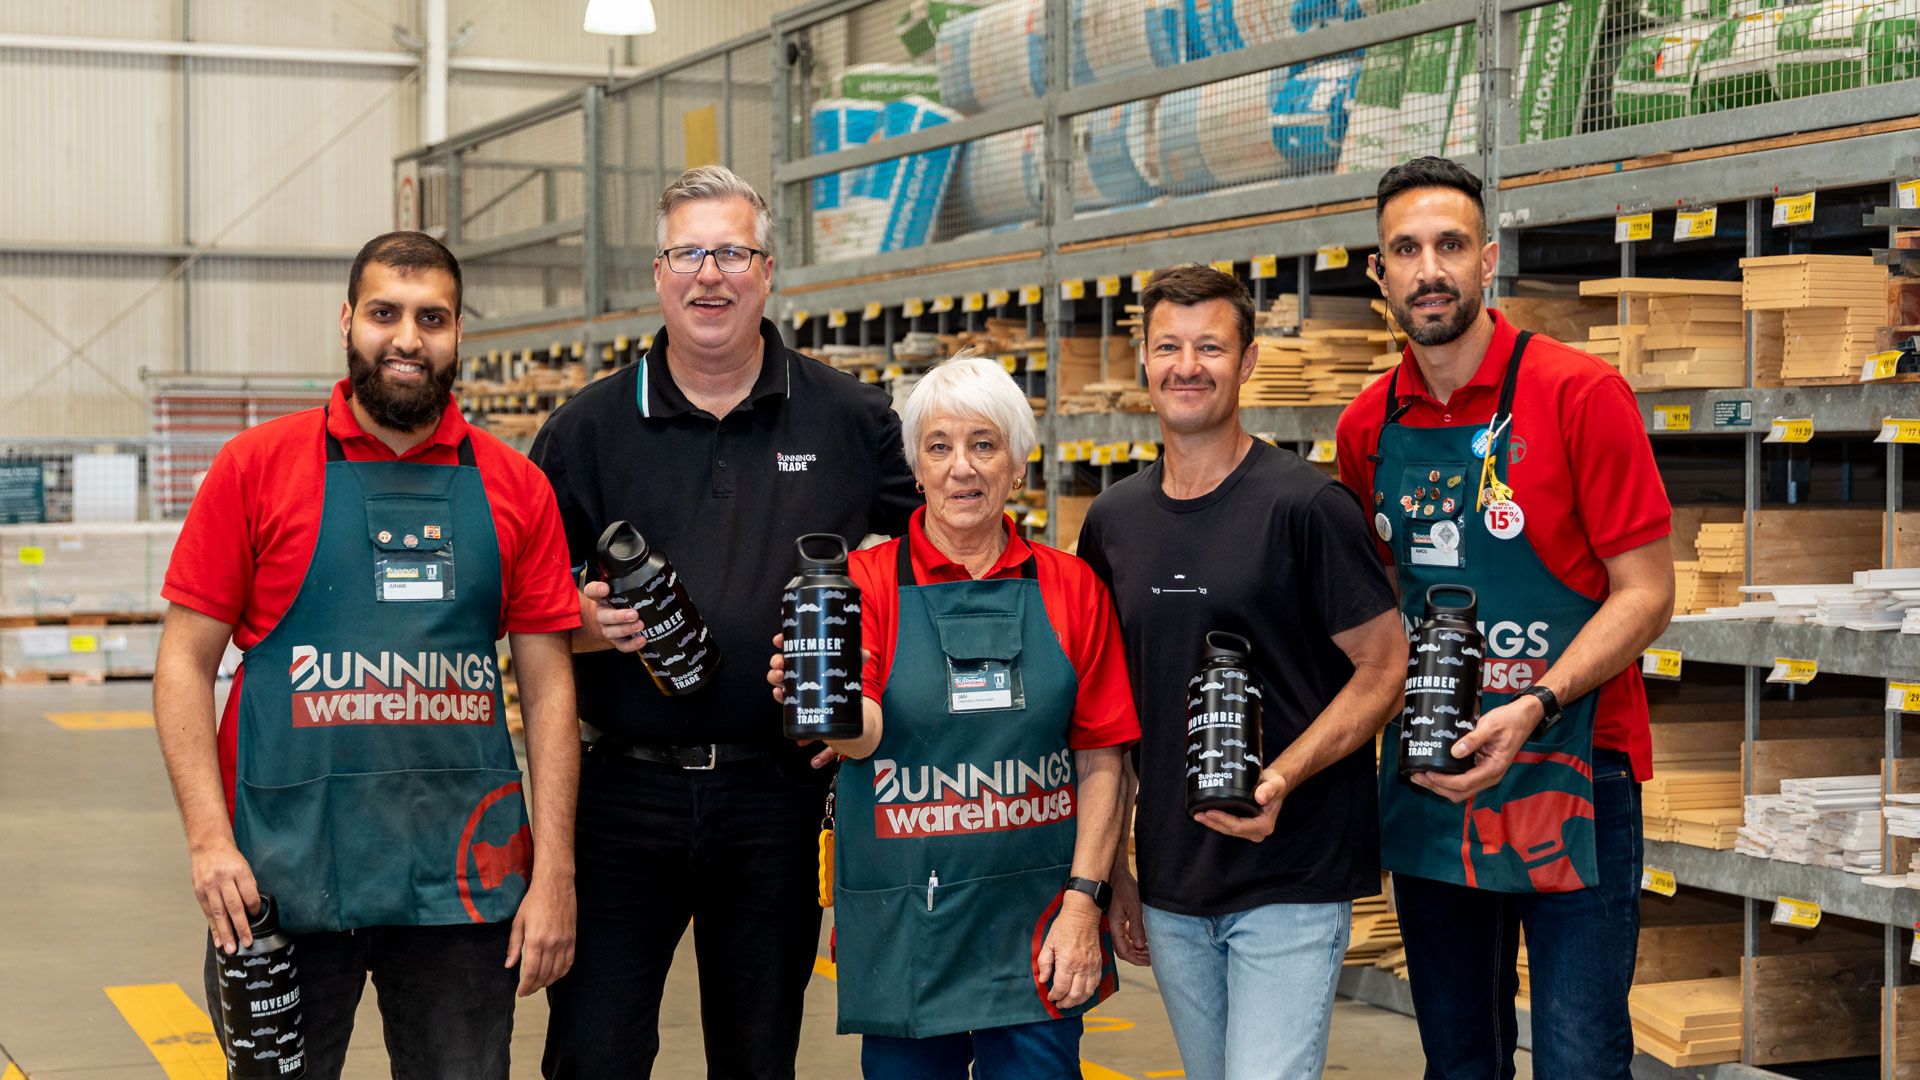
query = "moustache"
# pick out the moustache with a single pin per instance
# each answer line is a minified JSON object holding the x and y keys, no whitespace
{"x":1434,"y":290}
{"x":1202,"y":383}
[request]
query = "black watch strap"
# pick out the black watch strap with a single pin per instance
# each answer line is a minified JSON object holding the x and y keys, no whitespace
{"x":1549,"y":704}
{"x":1100,"y":891}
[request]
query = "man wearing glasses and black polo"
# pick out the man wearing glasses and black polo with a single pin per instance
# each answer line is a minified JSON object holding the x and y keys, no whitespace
{"x":721,"y":446}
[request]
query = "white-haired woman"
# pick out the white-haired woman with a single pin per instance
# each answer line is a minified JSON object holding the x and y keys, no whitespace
{"x":979,"y":812}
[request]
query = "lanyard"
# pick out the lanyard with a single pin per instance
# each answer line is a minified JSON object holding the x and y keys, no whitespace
{"x":1492,"y":489}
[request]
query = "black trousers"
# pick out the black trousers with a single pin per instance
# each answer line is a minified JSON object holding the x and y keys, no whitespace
{"x":445,"y":995}
{"x":734,"y":850}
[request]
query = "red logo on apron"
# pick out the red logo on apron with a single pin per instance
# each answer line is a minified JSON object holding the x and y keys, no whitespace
{"x":492,"y":862}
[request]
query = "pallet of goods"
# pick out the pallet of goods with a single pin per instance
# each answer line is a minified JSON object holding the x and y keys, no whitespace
{"x":80,"y":653}
{"x":1826,"y":310}
{"x":1687,"y":1023}
{"x":53,"y":572}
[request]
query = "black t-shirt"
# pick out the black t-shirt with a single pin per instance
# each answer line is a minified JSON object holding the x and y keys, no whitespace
{"x":1281,"y":555}
{"x":811,"y":449}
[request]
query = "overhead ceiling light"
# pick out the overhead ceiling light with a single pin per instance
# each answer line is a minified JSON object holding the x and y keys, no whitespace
{"x":622,"y":17}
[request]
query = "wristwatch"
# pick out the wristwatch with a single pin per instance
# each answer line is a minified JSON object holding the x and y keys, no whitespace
{"x":1549,"y":704}
{"x":1100,"y":891}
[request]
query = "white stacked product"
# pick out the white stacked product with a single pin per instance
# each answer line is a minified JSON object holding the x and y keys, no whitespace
{"x":1818,"y":821}
{"x":1875,"y":600}
{"x":73,"y":569}
{"x":1001,"y":180}
{"x":1902,"y":812}
{"x":1763,"y":821}
{"x":1116,"y":156}
{"x":124,"y":649}
{"x":1256,"y":127}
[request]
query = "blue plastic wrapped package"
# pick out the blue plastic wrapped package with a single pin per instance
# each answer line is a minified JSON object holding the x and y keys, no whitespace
{"x":839,"y":124}
{"x":1215,"y":27}
{"x":993,"y":56}
{"x":1000,"y":180}
{"x":1114,"y":38}
{"x":914,"y":186}
{"x":1310,"y":113}
{"x":1115,"y":157}
{"x":1256,"y":127}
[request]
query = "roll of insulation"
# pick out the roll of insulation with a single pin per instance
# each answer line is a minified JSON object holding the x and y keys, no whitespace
{"x":1000,"y":179}
{"x":1112,"y":38}
{"x":1256,"y":127}
{"x":993,"y":56}
{"x":1115,"y":157}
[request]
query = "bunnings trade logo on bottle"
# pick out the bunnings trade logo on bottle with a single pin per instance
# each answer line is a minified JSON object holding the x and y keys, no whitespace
{"x":914,"y":801}
{"x":346,"y":687}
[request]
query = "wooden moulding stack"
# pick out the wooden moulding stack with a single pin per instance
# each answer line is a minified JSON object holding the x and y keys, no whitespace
{"x":1325,"y":359}
{"x":1712,"y":577}
{"x":1694,"y":796}
{"x":1827,"y":311}
{"x":1376,"y":931}
{"x":1672,"y":332}
{"x":1691,"y":1022}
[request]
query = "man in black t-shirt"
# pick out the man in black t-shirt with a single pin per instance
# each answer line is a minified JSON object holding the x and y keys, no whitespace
{"x":1245,"y":920}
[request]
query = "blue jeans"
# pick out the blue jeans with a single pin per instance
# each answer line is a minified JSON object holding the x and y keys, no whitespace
{"x":1048,"y":1050}
{"x":1250,"y":995}
{"x":1462,"y":944}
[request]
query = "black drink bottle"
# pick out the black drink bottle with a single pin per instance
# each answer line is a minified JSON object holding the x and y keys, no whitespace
{"x":1223,"y":729}
{"x":1443,"y":685}
{"x":260,"y":1003}
{"x":820,"y":624}
{"x":679,"y":653}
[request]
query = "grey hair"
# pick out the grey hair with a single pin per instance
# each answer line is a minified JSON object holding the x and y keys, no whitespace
{"x":706,"y":184}
{"x":969,"y":384}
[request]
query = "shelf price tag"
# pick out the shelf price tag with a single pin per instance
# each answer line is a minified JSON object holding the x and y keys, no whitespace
{"x":1630,"y":228}
{"x":1903,"y":697}
{"x":1035,"y":519}
{"x":869,"y":375}
{"x":1788,"y":670}
{"x":1658,"y":881}
{"x":1266,"y":266}
{"x":1010,"y":362}
{"x":1330,"y":257}
{"x":1881,"y":365}
{"x":1673,"y":418}
{"x":974,"y":301}
{"x":1322,"y":451}
{"x":1225,"y":266}
{"x":33,"y":556}
{"x":1083,"y":449}
{"x":1913,"y":954}
{"x":1792,"y":209}
{"x":1696,"y":224}
{"x":1034,"y":454}
{"x":836,"y":319}
{"x":942,"y":304}
{"x":893,"y":371}
{"x":800,"y":318}
{"x":82,"y":643}
{"x":1029,"y":295}
{"x":999,"y":297}
{"x":1790,"y":430}
{"x":1267,"y":437}
{"x":1073,"y":289}
{"x":1909,"y":195}
{"x":1102,"y":455}
{"x":1804,"y":914}
{"x":1107,"y":286}
{"x":1144,"y":451}
{"x":871,"y":311}
{"x":646,"y":342}
{"x":1895,"y":430}
{"x":1119,"y":449}
{"x":1140,"y":279}
{"x":1660,"y":663}
{"x":1063,"y":451}
{"x":913,"y":307}
{"x":1037,"y":360}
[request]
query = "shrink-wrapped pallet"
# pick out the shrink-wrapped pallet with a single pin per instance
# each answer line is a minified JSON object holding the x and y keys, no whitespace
{"x":77,"y":569}
{"x":122,"y":649}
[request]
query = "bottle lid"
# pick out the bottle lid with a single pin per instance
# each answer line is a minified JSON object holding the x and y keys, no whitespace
{"x":1224,"y":646}
{"x":621,"y":549}
{"x":1437,"y":610}
{"x":266,"y":921}
{"x":833,"y":544}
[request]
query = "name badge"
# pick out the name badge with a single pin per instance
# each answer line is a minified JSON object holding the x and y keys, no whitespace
{"x":982,"y":685}
{"x":413,"y":576}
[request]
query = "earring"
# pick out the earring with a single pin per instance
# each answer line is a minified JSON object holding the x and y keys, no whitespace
{"x":919,"y":487}
{"x":1018,"y":484}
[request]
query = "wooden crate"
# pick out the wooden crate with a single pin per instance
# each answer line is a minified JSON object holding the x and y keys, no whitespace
{"x":1815,"y":994}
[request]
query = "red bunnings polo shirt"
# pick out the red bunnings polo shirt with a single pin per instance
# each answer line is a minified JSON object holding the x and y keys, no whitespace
{"x":250,"y":533}
{"x":1581,"y":464}
{"x":1077,"y":605}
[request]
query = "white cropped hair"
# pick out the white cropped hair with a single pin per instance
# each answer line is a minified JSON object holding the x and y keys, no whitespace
{"x":968,"y":384}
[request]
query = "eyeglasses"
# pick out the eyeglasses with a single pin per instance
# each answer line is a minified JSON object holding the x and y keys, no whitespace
{"x":732,"y":259}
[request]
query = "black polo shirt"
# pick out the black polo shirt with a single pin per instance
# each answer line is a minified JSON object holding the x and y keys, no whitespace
{"x":811,"y":449}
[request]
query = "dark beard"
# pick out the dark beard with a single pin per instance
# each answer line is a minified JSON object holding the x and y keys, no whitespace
{"x":1421,"y":332}
{"x":400,"y":408}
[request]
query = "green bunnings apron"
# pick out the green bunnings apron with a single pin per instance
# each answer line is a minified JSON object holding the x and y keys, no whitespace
{"x":376,"y":782}
{"x":956,"y":837}
{"x":1533,"y":832}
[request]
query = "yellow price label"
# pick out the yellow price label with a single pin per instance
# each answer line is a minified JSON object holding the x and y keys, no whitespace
{"x":1035,"y":519}
{"x":1119,"y":448}
{"x":1144,"y":451}
{"x":1789,"y":670}
{"x":1793,"y":209}
{"x":913,"y":307}
{"x":1903,"y":697}
{"x":1140,"y":279}
{"x":1225,"y":266}
{"x":579,"y":349}
{"x":1083,"y":449}
{"x":836,"y":319}
{"x":1660,"y":663}
{"x":893,"y":371}
{"x":553,"y":350}
{"x":1065,"y":451}
{"x":1673,"y":418}
{"x":1267,"y":437}
{"x":1628,"y":228}
{"x":1073,"y":289}
{"x":33,"y":556}
{"x":1029,"y":295}
{"x":1786,"y":430}
{"x":1033,"y":455}
{"x":1330,"y":257}
{"x":493,"y":355}
{"x":83,"y":643}
{"x":1909,"y":194}
{"x":606,"y":352}
{"x":526,"y":356}
{"x":1322,"y":451}
{"x":974,"y":301}
{"x":998,"y":297}
{"x":620,"y":343}
{"x":1896,"y":430}
{"x":871,"y":311}
{"x":1107,"y":286}
{"x":1266,"y":266}
{"x":1881,"y":365}
{"x":1010,"y":362}
{"x":942,"y":304}
{"x":1037,"y":360}
{"x":1696,"y":224}
{"x":800,"y":318}
{"x":1788,"y":911}
{"x":869,"y":375}
{"x":1659,"y":882}
{"x":1102,"y":455}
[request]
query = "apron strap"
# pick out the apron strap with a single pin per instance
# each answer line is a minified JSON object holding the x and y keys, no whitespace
{"x":1029,"y":570}
{"x":336,"y":452}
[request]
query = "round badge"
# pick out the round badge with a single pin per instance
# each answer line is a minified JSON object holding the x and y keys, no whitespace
{"x":1434,"y":476}
{"x":1379,"y":497}
{"x":1446,"y":535}
{"x":386,"y":537}
{"x":1505,"y":520}
{"x":1446,"y":506}
{"x":1406,"y":503}
{"x":410,"y":540}
{"x":1480,"y":443}
{"x":1382,"y":526}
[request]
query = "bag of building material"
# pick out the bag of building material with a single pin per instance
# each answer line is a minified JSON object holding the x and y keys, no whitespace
{"x":1373,"y":123}
{"x":1114,"y":38}
{"x":886,"y":82}
{"x":1734,"y":68}
{"x":1892,"y":54}
{"x":1310,"y":112}
{"x":1463,"y":120}
{"x":840,"y":124}
{"x":1256,"y":127}
{"x":1655,"y":80}
{"x":1001,"y":180}
{"x":1822,"y":48}
{"x":993,"y":56}
{"x":919,"y":25}
{"x":915,"y":186}
{"x":1557,"y":47}
{"x":1114,"y":161}
{"x":1426,"y":94}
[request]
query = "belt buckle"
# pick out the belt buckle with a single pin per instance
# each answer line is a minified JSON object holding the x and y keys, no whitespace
{"x":712,"y":752}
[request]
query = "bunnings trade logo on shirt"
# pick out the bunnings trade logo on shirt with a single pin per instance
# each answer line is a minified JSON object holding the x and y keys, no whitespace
{"x":915,"y":801}
{"x":346,"y":687}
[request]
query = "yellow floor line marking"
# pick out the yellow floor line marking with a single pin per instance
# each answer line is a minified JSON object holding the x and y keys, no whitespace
{"x":102,"y":721}
{"x":13,"y":1073}
{"x":1096,"y":1024}
{"x":824,"y":966}
{"x":1090,"y":1071}
{"x":177,"y":1032}
{"x":1167,"y":1072}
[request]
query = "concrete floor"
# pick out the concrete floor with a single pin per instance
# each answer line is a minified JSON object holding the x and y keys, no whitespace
{"x":94,"y":894}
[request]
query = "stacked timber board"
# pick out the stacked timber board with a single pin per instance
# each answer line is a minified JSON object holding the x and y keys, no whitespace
{"x":1376,"y":931}
{"x":1671,"y":332}
{"x":1830,"y":312}
{"x":1686,"y":1023}
{"x":1326,"y":364}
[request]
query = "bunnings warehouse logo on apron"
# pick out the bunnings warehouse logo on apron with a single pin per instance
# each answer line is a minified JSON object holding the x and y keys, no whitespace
{"x":348,"y":687}
{"x":1516,"y":654}
{"x":917,"y":801}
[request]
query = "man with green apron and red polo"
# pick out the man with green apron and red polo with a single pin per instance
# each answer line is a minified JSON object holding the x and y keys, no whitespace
{"x":1513,"y":464}
{"x":366,"y":556}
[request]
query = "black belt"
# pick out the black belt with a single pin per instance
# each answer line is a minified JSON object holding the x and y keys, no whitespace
{"x":700,"y":757}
